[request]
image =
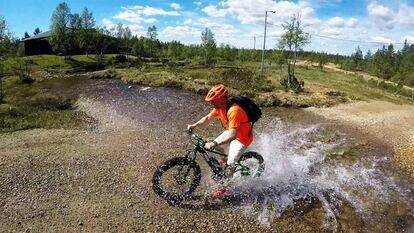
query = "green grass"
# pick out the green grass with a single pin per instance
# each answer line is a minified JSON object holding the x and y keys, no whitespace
{"x":322,"y":88}
{"x":27,"y":106}
{"x":355,"y":87}
{"x":57,"y":64}
{"x":69,"y":119}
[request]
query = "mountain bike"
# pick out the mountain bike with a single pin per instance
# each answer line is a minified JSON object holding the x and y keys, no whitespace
{"x":177,"y":178}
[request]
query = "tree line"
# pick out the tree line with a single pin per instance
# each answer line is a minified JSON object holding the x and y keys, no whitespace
{"x":76,"y":33}
{"x":386,"y":63}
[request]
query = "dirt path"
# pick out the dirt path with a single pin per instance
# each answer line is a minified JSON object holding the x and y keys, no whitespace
{"x":392,"y":123}
{"x":333,"y":67}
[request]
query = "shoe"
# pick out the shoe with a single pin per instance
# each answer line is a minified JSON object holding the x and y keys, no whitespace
{"x":218,"y":193}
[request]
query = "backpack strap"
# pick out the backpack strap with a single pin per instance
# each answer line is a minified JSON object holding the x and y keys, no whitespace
{"x":251,"y":129}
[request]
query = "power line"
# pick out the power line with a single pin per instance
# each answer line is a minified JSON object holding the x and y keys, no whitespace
{"x":341,"y":39}
{"x":355,"y":41}
{"x":346,"y":40}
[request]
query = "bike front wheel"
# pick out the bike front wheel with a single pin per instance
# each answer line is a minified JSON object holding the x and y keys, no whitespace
{"x":176,"y":179}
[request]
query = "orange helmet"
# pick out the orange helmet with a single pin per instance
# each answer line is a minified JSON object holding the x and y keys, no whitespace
{"x":217,"y":92}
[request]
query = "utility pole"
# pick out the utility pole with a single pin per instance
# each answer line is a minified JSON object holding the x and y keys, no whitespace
{"x":254,"y":46}
{"x":264,"y":41}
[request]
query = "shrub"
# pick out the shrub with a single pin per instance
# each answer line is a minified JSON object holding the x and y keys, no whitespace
{"x":241,"y":79}
{"x":25,"y":78}
{"x":22,"y":70}
{"x":8,"y":110}
{"x":120,"y":58}
{"x":295,"y":84}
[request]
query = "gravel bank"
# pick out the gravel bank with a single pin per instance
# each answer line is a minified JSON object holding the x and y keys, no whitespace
{"x":392,"y":123}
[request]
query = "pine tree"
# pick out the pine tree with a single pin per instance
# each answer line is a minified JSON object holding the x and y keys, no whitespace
{"x":36,"y":31}
{"x":357,"y":59}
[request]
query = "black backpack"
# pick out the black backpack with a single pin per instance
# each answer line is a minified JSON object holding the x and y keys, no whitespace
{"x":253,"y":112}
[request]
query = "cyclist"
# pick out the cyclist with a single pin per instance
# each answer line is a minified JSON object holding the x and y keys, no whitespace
{"x":237,"y":133}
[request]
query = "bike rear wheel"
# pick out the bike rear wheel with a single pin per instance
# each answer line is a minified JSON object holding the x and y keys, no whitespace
{"x":251,"y":164}
{"x":176,"y":179}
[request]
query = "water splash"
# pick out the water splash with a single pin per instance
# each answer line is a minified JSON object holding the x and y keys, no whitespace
{"x":298,"y":169}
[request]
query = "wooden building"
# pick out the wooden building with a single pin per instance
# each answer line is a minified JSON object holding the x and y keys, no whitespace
{"x":38,"y":44}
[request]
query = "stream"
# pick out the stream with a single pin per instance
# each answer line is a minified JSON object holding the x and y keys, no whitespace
{"x":311,"y":163}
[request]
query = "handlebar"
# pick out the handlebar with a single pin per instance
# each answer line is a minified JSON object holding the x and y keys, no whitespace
{"x":200,"y":142}
{"x":197,"y":140}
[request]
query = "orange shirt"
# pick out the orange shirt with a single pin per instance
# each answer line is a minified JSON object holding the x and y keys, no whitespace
{"x":237,"y":118}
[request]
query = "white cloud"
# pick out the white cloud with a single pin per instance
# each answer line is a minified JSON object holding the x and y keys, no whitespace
{"x":330,"y":32}
{"x":380,"y":39}
{"x":336,"y":22}
{"x":379,"y":12}
{"x":382,"y":16}
{"x":238,"y":21}
{"x":218,"y":28}
{"x":385,"y":17}
{"x":180,"y":31}
{"x":213,"y":11}
{"x":188,"y":21}
{"x":352,"y":22}
{"x":129,"y":16}
{"x":406,"y":15}
{"x":150,"y":20}
{"x":252,"y":11}
{"x":175,"y":6}
{"x":134,"y":14}
{"x":150,"y":11}
{"x":135,"y":27}
{"x":108,"y":23}
{"x":340,"y":22}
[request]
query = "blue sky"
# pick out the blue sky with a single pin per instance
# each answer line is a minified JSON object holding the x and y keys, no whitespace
{"x":336,"y":26}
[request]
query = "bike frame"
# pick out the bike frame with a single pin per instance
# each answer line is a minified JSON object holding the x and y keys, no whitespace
{"x":198,"y":147}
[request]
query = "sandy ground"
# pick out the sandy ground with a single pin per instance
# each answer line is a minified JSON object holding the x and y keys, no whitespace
{"x":392,"y":123}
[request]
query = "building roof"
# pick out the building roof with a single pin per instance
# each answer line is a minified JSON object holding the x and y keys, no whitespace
{"x":38,"y":36}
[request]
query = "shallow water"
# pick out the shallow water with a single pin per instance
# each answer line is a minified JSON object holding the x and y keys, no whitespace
{"x":311,"y":164}
{"x":300,"y":166}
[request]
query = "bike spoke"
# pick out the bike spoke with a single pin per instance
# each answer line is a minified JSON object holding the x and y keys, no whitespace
{"x":178,"y":179}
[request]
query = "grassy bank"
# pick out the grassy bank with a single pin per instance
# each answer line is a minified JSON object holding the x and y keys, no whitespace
{"x":27,"y":106}
{"x":58,"y":64}
{"x":322,"y":87}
